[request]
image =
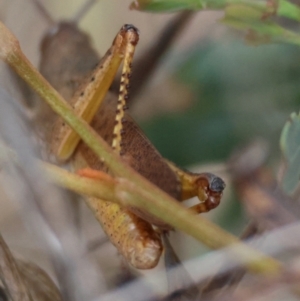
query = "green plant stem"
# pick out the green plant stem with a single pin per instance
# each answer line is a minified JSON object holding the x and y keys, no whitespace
{"x":128,"y":194}
{"x":255,"y":15}
{"x":244,"y":18}
{"x":284,"y":8}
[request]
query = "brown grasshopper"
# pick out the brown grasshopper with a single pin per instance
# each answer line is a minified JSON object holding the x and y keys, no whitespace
{"x":71,"y":65}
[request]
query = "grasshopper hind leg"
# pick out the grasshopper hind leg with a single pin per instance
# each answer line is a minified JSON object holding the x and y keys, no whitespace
{"x":135,"y":238}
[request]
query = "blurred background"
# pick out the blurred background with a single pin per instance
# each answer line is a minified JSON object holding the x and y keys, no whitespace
{"x":210,"y":93}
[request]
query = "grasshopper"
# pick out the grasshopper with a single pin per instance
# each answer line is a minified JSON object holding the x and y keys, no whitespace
{"x":72,"y":66}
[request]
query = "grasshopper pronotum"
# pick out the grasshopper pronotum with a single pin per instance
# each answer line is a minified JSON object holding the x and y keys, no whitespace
{"x":129,"y":229}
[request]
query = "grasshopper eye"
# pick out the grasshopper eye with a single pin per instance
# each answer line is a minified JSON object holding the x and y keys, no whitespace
{"x":212,"y":182}
{"x":217,"y":184}
{"x":210,"y":191}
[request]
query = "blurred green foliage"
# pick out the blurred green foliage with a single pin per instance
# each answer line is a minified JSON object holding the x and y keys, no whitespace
{"x":290,"y":146}
{"x":240,"y":92}
{"x":257,"y":15}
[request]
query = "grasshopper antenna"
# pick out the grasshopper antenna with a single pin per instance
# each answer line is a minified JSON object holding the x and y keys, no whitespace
{"x":44,"y":12}
{"x":83,"y":10}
